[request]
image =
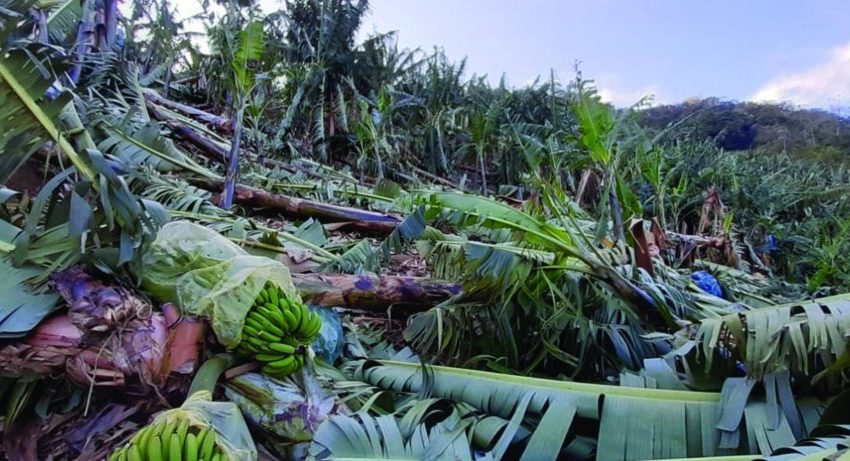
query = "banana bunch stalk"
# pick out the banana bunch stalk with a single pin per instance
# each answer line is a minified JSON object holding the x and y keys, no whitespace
{"x":278,"y":330}
{"x":168,"y":441}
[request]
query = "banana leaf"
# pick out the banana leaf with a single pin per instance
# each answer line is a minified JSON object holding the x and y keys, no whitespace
{"x":26,"y":114}
{"x":673,"y":423}
{"x":803,"y":337}
{"x":365,"y":437}
{"x":63,"y":20}
{"x":22,"y":306}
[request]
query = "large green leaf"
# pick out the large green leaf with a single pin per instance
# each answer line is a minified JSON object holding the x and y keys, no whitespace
{"x":499,"y":215}
{"x":142,"y":143}
{"x":363,"y":437}
{"x":804,"y":337}
{"x":595,"y":122}
{"x":21,"y":308}
{"x":672,"y":423}
{"x":826,"y":443}
{"x":251,"y":43}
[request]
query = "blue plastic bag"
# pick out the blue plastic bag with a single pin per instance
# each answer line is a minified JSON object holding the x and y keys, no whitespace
{"x":771,"y":245}
{"x":328,"y":343}
{"x":707,"y":283}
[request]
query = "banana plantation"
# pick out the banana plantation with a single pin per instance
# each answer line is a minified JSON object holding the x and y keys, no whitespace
{"x":276,"y":239}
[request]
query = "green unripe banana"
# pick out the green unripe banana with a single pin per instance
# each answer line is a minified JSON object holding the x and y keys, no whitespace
{"x":267,"y":357}
{"x":251,"y":331}
{"x":182,"y":431}
{"x":134,"y":454}
{"x":143,"y":437}
{"x":291,"y":321}
{"x":271,"y":312}
{"x":267,"y":323}
{"x":256,"y":342}
{"x":297,"y":313}
{"x":190,"y":448}
{"x":155,"y":449}
{"x":175,"y":448}
{"x":282,"y":348}
{"x":207,"y":445}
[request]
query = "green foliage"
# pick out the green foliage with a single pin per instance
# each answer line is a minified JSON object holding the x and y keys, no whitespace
{"x":67,"y":218}
{"x":250,"y":45}
{"x":772,"y":128}
{"x":26,"y":113}
{"x":673,"y":423}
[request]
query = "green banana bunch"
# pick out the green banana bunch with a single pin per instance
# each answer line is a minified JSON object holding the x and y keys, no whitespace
{"x":171,"y":442}
{"x":278,"y":330}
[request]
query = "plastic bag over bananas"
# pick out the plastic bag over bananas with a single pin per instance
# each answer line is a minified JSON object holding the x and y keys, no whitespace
{"x":199,"y":430}
{"x":206,"y":274}
{"x":292,"y":408}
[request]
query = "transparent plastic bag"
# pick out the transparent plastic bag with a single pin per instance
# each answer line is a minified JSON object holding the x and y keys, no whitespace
{"x":232,"y":435}
{"x":203,"y":273}
{"x":292,"y":409}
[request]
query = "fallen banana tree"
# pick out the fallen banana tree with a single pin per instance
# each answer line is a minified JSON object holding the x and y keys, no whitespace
{"x":366,"y":221}
{"x":674,"y":424}
{"x":216,"y":121}
{"x":213,"y":149}
{"x":372,"y":292}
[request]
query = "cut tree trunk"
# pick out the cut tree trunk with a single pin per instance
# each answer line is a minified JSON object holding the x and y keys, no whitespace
{"x":364,"y":221}
{"x":375,"y":293}
{"x":206,"y":147}
{"x":361,"y":220}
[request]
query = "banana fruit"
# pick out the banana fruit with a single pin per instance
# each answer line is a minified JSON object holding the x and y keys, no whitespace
{"x":171,"y":442}
{"x":278,"y":330}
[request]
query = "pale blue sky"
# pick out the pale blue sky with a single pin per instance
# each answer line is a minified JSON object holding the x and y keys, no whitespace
{"x":738,"y":49}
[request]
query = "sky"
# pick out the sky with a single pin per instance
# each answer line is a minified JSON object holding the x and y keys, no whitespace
{"x":794,"y":51}
{"x":774,"y":50}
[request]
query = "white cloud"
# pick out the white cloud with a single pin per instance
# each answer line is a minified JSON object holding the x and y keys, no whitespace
{"x":622,"y":97}
{"x":825,"y":85}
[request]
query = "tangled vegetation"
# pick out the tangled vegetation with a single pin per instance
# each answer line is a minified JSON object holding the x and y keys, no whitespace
{"x":275,"y":241}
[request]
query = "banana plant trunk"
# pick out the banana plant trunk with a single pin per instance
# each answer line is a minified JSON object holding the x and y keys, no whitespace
{"x":233,"y":158}
{"x":483,"y":169}
{"x":365,"y":221}
{"x":111,"y":22}
{"x":216,"y":121}
{"x":376,"y":293}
